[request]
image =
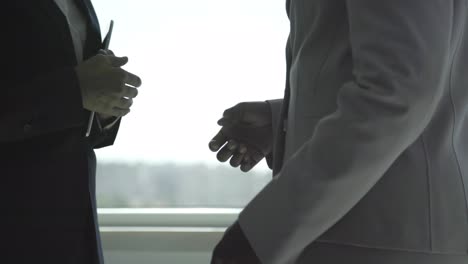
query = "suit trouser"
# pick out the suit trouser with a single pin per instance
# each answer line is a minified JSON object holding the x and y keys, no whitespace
{"x":324,"y":253}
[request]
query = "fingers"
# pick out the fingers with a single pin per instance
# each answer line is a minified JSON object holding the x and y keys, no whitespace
{"x":224,"y":121}
{"x":119,"y":78}
{"x":116,"y":61}
{"x":243,"y":149}
{"x":117,"y":107}
{"x":232,"y":145}
{"x":233,"y":151}
{"x":124,"y":103}
{"x":127,"y":77}
{"x":246,"y":166}
{"x":217,"y":142}
{"x":105,"y":57}
{"x":251,"y":159}
{"x":239,"y":154}
{"x":132,"y":79}
{"x":106,"y":88}
{"x":227,"y":151}
{"x":114,"y":111}
{"x":127,"y":92}
{"x":118,"y":112}
{"x":237,"y":159}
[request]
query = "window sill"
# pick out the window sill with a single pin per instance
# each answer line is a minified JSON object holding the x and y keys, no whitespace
{"x":161,"y":229}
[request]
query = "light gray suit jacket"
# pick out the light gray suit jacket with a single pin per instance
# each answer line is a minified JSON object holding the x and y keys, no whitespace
{"x":372,"y":141}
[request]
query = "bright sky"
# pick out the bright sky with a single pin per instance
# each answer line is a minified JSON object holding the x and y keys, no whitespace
{"x":196,"y":58}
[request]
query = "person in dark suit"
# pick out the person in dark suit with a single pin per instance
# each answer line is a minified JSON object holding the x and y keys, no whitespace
{"x":55,"y":75}
{"x":369,"y":146}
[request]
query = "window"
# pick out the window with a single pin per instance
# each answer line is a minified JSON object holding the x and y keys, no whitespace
{"x":196,"y":58}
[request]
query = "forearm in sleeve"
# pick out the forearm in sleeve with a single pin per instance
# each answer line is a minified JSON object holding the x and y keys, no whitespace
{"x":401,"y":60}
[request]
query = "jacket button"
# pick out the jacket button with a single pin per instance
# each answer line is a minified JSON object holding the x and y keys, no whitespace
{"x":27,"y":128}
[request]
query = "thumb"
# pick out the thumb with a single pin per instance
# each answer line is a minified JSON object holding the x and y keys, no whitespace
{"x":248,"y":113}
{"x":117,"y":61}
{"x":235,"y":113}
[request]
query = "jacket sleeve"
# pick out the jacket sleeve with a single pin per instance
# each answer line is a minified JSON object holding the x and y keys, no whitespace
{"x":275,"y":107}
{"x":47,"y":103}
{"x":401,"y":58}
{"x":101,"y":137}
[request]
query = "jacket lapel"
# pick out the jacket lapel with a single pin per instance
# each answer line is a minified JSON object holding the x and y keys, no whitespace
{"x":51,"y":10}
{"x":86,"y":7}
{"x":93,"y":39}
{"x":57,"y":21}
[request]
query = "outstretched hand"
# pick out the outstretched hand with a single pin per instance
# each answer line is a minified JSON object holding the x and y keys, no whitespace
{"x":246,"y":136}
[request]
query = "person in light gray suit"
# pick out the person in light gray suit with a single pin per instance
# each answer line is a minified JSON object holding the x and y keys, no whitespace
{"x":369,"y":147}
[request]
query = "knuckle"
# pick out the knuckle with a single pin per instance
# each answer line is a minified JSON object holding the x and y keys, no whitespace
{"x":124,"y":75}
{"x":121,"y":75}
{"x":111,"y":104}
{"x":106,"y":106}
{"x":122,"y":89}
{"x":101,"y":58}
{"x":116,"y":91}
{"x":241,"y":104}
{"x":220,"y":156}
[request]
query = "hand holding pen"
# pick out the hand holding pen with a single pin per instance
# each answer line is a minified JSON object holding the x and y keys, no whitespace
{"x":106,"y":88}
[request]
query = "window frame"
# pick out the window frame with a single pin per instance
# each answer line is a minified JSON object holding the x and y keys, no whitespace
{"x":164,"y":229}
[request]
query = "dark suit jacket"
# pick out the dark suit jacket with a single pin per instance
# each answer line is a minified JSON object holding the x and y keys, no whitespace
{"x":47,"y":164}
{"x":372,"y":143}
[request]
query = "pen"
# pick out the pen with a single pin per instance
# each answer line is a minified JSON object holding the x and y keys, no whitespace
{"x":105,"y":47}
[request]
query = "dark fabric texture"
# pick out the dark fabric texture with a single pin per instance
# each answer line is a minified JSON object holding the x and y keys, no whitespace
{"x":324,"y":253}
{"x":234,"y":248}
{"x":371,"y":146}
{"x":48,"y":212}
